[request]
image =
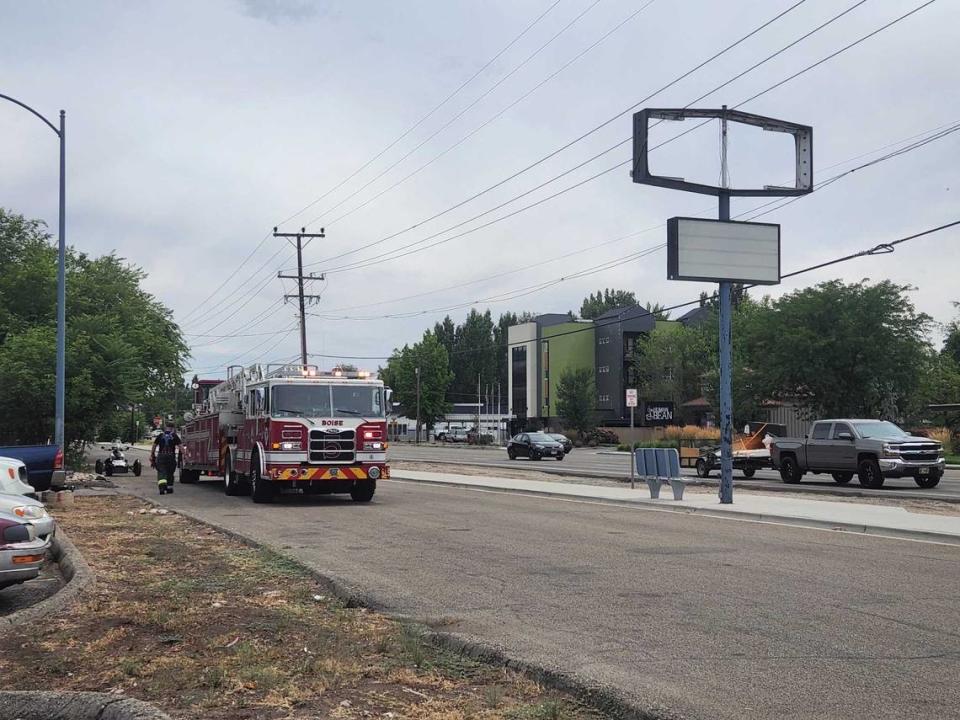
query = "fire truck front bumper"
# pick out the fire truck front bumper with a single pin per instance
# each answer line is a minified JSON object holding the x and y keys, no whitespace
{"x":333,"y":473}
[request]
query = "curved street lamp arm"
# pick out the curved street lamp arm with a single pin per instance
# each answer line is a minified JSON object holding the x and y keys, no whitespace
{"x":27,"y":107}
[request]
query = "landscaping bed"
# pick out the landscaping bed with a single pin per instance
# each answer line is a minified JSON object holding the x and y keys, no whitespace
{"x":203,"y":626}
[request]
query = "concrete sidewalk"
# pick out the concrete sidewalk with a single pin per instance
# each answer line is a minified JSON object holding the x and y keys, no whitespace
{"x":847,"y":516}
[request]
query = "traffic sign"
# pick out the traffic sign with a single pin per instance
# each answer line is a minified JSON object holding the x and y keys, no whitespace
{"x":631,"y":397}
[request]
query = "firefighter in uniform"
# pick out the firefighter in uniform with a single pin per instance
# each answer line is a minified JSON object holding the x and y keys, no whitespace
{"x":164,"y":457}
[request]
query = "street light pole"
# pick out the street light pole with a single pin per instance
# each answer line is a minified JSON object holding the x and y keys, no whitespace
{"x":61,"y":290}
{"x":60,"y":383}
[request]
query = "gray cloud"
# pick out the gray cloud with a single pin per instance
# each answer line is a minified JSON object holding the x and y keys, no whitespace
{"x":183,"y":153}
{"x":280,"y":11}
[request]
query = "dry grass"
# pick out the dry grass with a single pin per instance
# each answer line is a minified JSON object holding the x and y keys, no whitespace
{"x":205,"y":627}
{"x":689,"y":432}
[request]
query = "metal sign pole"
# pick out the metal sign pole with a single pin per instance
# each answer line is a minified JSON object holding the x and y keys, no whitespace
{"x":726,"y":324}
{"x":632,"y":456}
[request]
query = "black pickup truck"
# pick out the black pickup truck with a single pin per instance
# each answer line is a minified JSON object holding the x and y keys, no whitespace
{"x":874,"y":450}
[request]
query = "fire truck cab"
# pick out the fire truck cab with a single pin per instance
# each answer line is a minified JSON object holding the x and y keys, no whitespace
{"x":291,"y":428}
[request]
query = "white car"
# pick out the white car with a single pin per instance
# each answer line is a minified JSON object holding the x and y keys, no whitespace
{"x":22,"y":552}
{"x":31,"y":511}
{"x":13,"y":478}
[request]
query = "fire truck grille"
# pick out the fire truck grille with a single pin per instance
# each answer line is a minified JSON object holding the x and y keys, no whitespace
{"x":332,"y":446}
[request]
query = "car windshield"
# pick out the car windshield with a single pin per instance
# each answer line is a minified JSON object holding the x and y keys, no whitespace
{"x":879,"y":429}
{"x":540,"y":437}
{"x":556,"y":436}
{"x":364,"y":401}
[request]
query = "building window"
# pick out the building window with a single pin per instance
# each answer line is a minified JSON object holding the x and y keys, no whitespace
{"x":603,"y":369}
{"x":518,"y":360}
{"x":603,"y":398}
{"x":604,"y":341}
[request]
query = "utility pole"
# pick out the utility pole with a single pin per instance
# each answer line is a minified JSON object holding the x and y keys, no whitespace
{"x":300,"y":278}
{"x":418,"y":404}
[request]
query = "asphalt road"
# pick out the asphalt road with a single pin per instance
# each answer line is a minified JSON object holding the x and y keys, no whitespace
{"x":706,"y":618}
{"x":591,"y":463}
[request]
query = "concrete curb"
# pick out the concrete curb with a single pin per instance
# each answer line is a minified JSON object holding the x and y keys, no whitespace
{"x":664,"y":506}
{"x":605,"y":699}
{"x":39,"y":705}
{"x":694,"y":481}
{"x":79,"y":579}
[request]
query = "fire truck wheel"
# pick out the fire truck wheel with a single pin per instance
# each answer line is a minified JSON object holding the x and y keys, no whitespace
{"x":231,"y":482}
{"x":363,"y":490}
{"x":188,"y":477}
{"x":260,"y":490}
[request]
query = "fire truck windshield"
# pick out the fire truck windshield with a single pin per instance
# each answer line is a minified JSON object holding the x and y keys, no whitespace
{"x":365,"y":401}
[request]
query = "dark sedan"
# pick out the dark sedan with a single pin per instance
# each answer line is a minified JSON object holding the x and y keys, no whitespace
{"x":535,"y":445}
{"x":563,"y":440}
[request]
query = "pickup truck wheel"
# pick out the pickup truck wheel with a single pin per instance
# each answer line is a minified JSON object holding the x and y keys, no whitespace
{"x":511,"y":454}
{"x":98,"y":467}
{"x":928,"y":481}
{"x":749,"y":472}
{"x":869,"y":474}
{"x":138,"y":469}
{"x":790,"y":470}
{"x":703,"y":471}
{"x":842,"y":478}
{"x":108,"y":469}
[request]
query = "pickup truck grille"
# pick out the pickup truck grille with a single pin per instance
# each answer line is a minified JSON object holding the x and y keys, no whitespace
{"x":333,"y":446}
{"x":920,"y":452}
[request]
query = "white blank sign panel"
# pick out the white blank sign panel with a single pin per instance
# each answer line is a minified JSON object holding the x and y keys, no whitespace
{"x":721,"y":250}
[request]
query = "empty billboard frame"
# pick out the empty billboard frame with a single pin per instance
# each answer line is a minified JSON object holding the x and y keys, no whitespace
{"x":803,"y":151}
{"x":723,"y":251}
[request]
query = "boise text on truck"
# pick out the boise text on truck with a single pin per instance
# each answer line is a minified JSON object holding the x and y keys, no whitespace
{"x":873,"y":450}
{"x":269,"y":429}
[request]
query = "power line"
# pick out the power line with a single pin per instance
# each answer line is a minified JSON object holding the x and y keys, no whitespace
{"x":638,"y":311}
{"x":512,"y":294}
{"x":241,"y":286}
{"x":925,"y":138}
{"x":460,"y":114}
{"x":396,"y":252}
{"x":227,"y":279}
{"x":578,"y":139}
{"x":492,"y":118}
{"x":425,"y":117}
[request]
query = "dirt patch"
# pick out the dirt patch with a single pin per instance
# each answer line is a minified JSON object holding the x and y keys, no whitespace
{"x":205,"y":627}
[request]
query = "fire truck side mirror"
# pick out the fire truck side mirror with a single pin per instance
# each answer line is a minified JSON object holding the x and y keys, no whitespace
{"x":388,"y":399}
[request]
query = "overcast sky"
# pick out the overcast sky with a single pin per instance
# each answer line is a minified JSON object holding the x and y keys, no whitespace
{"x":195,"y":127}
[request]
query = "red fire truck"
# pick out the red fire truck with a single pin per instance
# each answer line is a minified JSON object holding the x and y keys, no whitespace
{"x":269,"y":429}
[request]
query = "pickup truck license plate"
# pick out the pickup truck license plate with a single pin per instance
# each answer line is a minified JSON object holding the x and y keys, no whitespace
{"x":924,"y":471}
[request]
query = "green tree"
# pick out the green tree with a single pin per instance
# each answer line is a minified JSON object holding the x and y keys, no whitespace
{"x":575,"y":399}
{"x":658,"y":311}
{"x":400,"y":374}
{"x":121,"y":347}
{"x":672,"y":362}
{"x":951,"y":345}
{"x":474,"y":354}
{"x":838,"y":349}
{"x":594,"y":305}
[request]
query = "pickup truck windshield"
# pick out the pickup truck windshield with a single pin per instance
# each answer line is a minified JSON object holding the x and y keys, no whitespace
{"x":340,"y":401}
{"x":879,"y":429}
